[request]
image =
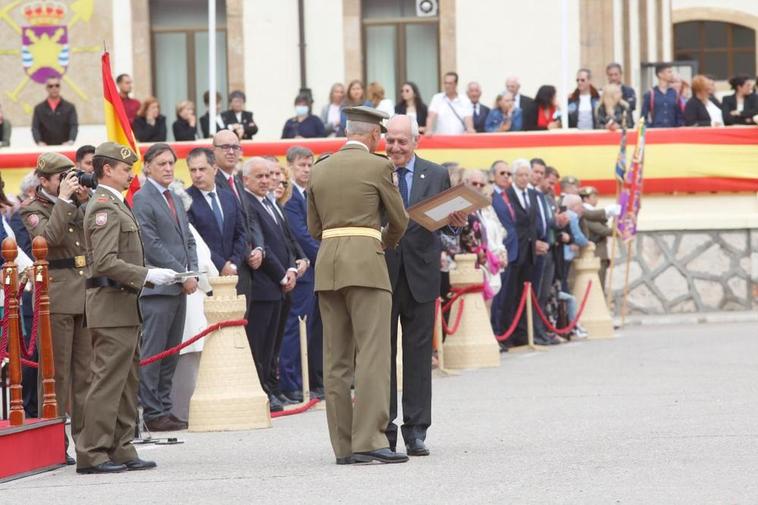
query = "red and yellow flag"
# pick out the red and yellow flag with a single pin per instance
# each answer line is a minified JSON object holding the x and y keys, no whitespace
{"x":117,"y":124}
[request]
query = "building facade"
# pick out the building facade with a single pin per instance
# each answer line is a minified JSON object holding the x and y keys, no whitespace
{"x":273,"y":49}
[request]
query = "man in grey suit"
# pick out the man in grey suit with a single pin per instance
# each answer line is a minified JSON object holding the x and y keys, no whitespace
{"x":414,"y":269}
{"x":168,"y":243}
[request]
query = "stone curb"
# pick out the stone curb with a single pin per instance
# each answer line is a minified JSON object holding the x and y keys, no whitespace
{"x":701,"y":318}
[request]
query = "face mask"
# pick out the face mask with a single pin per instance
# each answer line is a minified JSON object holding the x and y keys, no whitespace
{"x":301,"y":110}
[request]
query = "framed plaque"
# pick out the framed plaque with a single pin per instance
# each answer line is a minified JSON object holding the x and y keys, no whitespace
{"x":433,"y":212}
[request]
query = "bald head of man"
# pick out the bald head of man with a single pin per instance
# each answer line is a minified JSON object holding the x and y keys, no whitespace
{"x":227,"y":150}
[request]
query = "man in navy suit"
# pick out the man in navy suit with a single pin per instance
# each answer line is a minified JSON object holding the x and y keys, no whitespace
{"x":526,"y":208}
{"x":474,"y":93}
{"x":299,"y":162}
{"x":414,"y":270}
{"x":215,"y":214}
{"x":501,"y":174}
{"x":278,"y":272}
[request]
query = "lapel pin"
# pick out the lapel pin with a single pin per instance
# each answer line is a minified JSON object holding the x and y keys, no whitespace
{"x":422,"y":176}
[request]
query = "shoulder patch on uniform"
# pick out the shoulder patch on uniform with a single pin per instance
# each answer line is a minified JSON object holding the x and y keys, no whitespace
{"x":101,"y":218}
{"x":381,"y":155}
{"x":102,"y":199}
{"x":395,"y":179}
{"x":32,"y":219}
{"x":322,"y":157}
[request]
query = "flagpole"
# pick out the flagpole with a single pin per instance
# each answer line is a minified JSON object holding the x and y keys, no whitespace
{"x":626,"y":281}
{"x":212,"y":67}
{"x":614,"y":238}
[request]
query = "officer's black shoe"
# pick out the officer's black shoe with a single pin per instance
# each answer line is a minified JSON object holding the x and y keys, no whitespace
{"x":139,"y":464}
{"x":107,"y":467}
{"x":416,"y":447}
{"x":380,"y":456}
{"x":347,"y":460}
{"x":69,"y":460}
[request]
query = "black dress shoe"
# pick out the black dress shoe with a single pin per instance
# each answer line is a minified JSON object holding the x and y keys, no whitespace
{"x":293,"y":396}
{"x":165,"y":423}
{"x":69,"y":460}
{"x":274,"y":404}
{"x":107,"y":467}
{"x":380,"y":456}
{"x":139,"y":464}
{"x":285,"y":400}
{"x":177,"y":420}
{"x":416,"y":447}
{"x":347,"y":460}
{"x":317,"y":395}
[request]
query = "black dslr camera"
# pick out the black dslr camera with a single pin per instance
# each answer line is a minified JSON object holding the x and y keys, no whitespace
{"x":85,"y":179}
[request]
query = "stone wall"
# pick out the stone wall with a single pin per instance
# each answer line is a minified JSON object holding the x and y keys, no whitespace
{"x":689,"y":271}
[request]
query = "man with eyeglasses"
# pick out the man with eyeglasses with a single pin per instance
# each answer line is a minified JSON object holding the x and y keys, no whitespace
{"x":55,"y":121}
{"x":583,"y":102}
{"x":501,"y":175}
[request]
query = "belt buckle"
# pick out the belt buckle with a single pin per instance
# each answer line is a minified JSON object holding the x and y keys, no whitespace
{"x":80,"y":261}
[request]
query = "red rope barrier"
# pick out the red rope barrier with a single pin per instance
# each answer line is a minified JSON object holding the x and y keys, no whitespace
{"x":4,"y":324}
{"x":519,"y":311}
{"x":458,"y":318}
{"x":205,"y":332}
{"x":298,"y":410}
{"x":572,"y":324}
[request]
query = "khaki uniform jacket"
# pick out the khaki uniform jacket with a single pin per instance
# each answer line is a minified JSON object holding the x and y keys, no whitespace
{"x":599,"y":233}
{"x":61,"y":225}
{"x":115,"y":249}
{"x":354,"y":188}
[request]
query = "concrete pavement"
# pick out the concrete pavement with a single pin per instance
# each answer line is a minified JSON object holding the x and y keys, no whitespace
{"x":661,"y":415}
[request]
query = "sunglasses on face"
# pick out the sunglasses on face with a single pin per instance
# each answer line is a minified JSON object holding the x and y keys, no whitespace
{"x":478,"y":184}
{"x":507,"y":174}
{"x":228,"y":147}
{"x":53,"y":86}
{"x":284,"y":184}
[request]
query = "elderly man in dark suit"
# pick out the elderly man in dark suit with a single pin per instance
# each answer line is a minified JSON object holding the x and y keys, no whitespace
{"x":278,"y":272}
{"x":414,"y":269}
{"x":168,"y":243}
{"x":526,"y":208}
{"x":474,"y":93}
{"x":215,"y":214}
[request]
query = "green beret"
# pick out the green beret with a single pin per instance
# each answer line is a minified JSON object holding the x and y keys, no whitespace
{"x":570,"y":179}
{"x":588,"y":190}
{"x":52,"y":163}
{"x":116,"y":152}
{"x":367,"y":115}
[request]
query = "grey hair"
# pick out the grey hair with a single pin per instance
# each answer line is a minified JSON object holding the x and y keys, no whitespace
{"x":360,"y":127}
{"x":521,"y":163}
{"x":414,"y":124}
{"x":468,"y":175}
{"x":247,"y":167}
{"x":177,"y":187}
{"x":572,"y":200}
{"x":493,"y":167}
{"x":29,"y":182}
{"x":296,"y":152}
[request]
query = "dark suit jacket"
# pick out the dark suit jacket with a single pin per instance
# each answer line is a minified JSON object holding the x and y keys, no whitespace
{"x":296,"y":210}
{"x":419,"y":250}
{"x":167,"y":242}
{"x":278,"y":257}
{"x":252,"y":227}
{"x":749,"y":109}
{"x":508,"y":222}
{"x":526,"y":225}
{"x":695,"y":114}
{"x":481,"y":118}
{"x":247,"y":122}
{"x":528,"y":113}
{"x":226,"y":245}
{"x":292,"y":244}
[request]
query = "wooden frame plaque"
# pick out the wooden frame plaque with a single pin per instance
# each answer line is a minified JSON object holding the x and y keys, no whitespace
{"x":433,"y":212}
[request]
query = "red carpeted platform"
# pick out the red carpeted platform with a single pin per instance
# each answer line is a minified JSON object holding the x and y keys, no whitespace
{"x":35,"y":447}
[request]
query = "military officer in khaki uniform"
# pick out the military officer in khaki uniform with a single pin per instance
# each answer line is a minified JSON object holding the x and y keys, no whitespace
{"x":57,"y":214}
{"x":349,"y":193}
{"x":117,"y":273}
{"x":599,"y":230}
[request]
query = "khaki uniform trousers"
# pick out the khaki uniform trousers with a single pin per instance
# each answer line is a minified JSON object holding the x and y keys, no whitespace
{"x":110,"y":410}
{"x":72,"y":356}
{"x":356,"y":344}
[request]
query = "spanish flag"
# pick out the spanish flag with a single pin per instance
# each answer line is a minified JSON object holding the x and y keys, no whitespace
{"x":117,"y":124}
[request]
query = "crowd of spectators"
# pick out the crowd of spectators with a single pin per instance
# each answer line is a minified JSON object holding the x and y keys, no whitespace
{"x":672,"y":102}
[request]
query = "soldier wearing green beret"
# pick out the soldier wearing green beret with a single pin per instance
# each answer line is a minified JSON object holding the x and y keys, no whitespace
{"x":57,"y":214}
{"x":117,"y":274}
{"x":350,"y":192}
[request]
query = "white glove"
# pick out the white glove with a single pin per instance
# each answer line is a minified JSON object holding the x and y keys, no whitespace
{"x":613,"y":210}
{"x":161,"y":276}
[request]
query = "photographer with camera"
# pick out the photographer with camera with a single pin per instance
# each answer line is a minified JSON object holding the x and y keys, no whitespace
{"x":57,"y":213}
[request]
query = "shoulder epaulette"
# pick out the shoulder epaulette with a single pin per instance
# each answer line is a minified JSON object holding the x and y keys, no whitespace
{"x":323,"y":157}
{"x":381,"y":155}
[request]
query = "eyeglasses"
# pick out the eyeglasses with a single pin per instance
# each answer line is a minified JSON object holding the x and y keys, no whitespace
{"x":228,"y":147}
{"x":507,"y":174}
{"x":284,"y":184}
{"x":53,"y":86}
{"x":478,"y":184}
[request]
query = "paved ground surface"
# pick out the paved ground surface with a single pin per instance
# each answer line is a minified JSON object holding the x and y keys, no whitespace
{"x":661,"y":415}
